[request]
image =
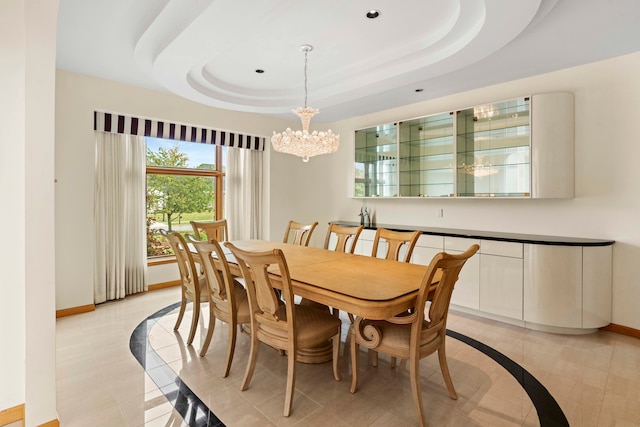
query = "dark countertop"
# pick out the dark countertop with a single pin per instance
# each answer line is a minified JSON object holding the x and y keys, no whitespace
{"x":491,"y":235}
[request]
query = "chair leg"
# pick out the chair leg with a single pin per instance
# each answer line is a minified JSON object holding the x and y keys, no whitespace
{"x":444,"y":367}
{"x":180,"y":313}
{"x":355,"y":349}
{"x":347,"y":346}
{"x":374,"y":357}
{"x":231,"y":346}
{"x":336,"y":354}
{"x":194,"y":322}
{"x":207,"y":340}
{"x":291,"y":379}
{"x":414,"y":368}
{"x":251,"y":365}
{"x":394,"y":361}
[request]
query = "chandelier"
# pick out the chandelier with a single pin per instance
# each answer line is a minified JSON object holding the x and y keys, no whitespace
{"x":302,"y":143}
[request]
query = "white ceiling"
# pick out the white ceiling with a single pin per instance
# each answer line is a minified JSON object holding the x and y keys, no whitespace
{"x":208,"y":50}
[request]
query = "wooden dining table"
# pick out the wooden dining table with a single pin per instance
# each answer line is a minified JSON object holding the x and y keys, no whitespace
{"x":364,"y":286}
{"x":361,"y":285}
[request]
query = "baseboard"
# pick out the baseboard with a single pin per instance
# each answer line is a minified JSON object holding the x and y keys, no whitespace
{"x":16,"y":415}
{"x":91,"y":307}
{"x":75,"y":310}
{"x":163,"y":285}
{"x":622,"y":330}
{"x":12,"y":415}
{"x":171,"y":259}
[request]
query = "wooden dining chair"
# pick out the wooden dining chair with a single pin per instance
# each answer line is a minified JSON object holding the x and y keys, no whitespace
{"x":299,"y":234}
{"x":396,"y":243}
{"x":410,"y":335}
{"x":228,"y":300}
{"x":347,"y":237}
{"x":217,"y":230}
{"x":193,"y":287}
{"x":287,"y":326}
{"x":346,"y":240}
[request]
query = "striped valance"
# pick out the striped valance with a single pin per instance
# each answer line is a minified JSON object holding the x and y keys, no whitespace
{"x":120,"y":123}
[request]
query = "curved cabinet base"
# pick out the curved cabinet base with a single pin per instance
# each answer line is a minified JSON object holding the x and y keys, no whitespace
{"x":523,"y":324}
{"x":567,"y":287}
{"x":559,"y":330}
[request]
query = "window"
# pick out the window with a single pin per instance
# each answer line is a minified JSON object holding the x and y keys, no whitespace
{"x":185,"y":182}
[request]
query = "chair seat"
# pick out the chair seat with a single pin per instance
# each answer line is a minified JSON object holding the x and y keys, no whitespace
{"x":242,"y":303}
{"x":204,"y":290}
{"x":312,"y":322}
{"x":395,"y":339}
{"x":243,"y":312}
{"x":313,"y":326}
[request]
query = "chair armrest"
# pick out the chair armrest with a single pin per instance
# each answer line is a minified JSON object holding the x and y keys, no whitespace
{"x":404,"y":319}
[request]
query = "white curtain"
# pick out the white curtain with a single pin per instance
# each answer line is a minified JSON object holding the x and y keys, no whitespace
{"x":244,"y":193}
{"x":120,"y":216}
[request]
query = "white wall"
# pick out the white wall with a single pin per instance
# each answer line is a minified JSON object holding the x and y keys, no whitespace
{"x":27,"y":312}
{"x":607,"y":202}
{"x":77,"y":97}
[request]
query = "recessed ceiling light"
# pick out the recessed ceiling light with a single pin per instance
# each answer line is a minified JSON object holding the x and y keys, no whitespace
{"x":373,"y":14}
{"x":259,"y":71}
{"x":419,"y":90}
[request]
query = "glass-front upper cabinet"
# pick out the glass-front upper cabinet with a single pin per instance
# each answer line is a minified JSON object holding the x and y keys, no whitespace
{"x":427,"y":156}
{"x":376,"y":161}
{"x":519,"y":148}
{"x":493,"y":150}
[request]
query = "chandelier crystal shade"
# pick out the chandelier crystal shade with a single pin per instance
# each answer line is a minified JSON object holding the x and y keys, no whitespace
{"x":303,"y":143}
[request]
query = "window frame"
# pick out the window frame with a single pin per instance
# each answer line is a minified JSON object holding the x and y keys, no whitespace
{"x":217,"y":173}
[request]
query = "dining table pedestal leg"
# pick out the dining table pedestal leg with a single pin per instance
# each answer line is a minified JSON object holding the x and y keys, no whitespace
{"x":319,"y":354}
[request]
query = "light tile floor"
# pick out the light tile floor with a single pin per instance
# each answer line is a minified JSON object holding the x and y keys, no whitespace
{"x":594,"y":378}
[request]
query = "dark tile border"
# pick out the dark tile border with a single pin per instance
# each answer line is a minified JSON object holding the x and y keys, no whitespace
{"x":549,"y":412}
{"x":197,"y":414}
{"x":184,"y":400}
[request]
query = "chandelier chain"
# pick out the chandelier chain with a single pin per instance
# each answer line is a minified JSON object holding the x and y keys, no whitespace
{"x":306,"y":52}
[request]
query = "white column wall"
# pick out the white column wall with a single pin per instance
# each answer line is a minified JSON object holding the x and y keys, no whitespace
{"x":40,"y":403}
{"x":12,"y":194}
{"x":27,"y":310}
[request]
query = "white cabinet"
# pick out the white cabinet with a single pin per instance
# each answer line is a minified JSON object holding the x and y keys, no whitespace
{"x":426,"y":248}
{"x":501,"y":278}
{"x":552,"y":146}
{"x":567,"y":287}
{"x":466,"y":292}
{"x":597,"y":267}
{"x":553,"y":285}
{"x":364,"y":245}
